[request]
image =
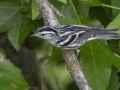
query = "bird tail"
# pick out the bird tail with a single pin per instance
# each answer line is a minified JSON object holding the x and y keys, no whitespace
{"x":108,"y":34}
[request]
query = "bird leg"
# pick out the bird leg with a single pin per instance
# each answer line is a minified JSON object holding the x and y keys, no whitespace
{"x":78,"y":51}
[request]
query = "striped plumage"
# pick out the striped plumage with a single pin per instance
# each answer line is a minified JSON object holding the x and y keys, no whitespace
{"x":73,"y":36}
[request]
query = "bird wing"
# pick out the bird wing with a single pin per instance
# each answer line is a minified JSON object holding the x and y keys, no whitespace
{"x":86,"y":33}
{"x":78,"y":28}
{"x":82,"y":32}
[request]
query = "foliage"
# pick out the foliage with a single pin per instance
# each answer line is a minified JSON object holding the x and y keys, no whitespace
{"x":11,"y":77}
{"x":19,"y":18}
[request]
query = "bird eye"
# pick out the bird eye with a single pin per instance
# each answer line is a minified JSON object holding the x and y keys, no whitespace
{"x":42,"y":34}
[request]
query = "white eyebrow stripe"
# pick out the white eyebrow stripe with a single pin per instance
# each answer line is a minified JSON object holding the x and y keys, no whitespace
{"x":47,"y":32}
{"x":39,"y":28}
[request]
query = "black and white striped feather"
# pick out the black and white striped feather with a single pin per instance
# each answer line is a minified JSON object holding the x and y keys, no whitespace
{"x":73,"y":36}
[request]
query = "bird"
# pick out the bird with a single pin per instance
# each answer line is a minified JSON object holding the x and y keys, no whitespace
{"x":74,"y":36}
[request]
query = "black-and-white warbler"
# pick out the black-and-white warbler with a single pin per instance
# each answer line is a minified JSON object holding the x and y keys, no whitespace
{"x":73,"y":36}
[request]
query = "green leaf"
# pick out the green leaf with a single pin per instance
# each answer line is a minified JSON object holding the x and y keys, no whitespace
{"x":115,"y":3}
{"x":27,"y":1}
{"x":56,"y":56}
{"x":118,"y":31}
{"x":100,"y":14}
{"x":5,"y":84}
{"x":63,"y":1}
{"x":19,"y":32}
{"x":11,"y":77}
{"x":115,"y":23}
{"x":68,"y":10}
{"x":35,"y":12}
{"x":82,"y":7}
{"x":20,"y":2}
{"x":94,"y":2}
{"x":66,"y":20}
{"x":90,"y":21}
{"x":96,"y":60}
{"x":108,"y":10}
{"x":114,"y":82}
{"x":17,"y":25}
{"x":114,"y":46}
{"x":7,"y":11}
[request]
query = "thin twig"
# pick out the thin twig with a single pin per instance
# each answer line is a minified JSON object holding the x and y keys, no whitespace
{"x":69,"y":56}
{"x":43,"y":74}
{"x":55,"y":10}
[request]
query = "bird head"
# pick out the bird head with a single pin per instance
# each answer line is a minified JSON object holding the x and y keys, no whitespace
{"x":45,"y":32}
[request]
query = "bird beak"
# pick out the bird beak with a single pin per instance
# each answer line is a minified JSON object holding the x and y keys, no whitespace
{"x":33,"y":35}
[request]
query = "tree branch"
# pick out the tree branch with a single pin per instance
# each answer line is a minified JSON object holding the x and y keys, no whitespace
{"x":75,"y":69}
{"x":69,"y":56}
